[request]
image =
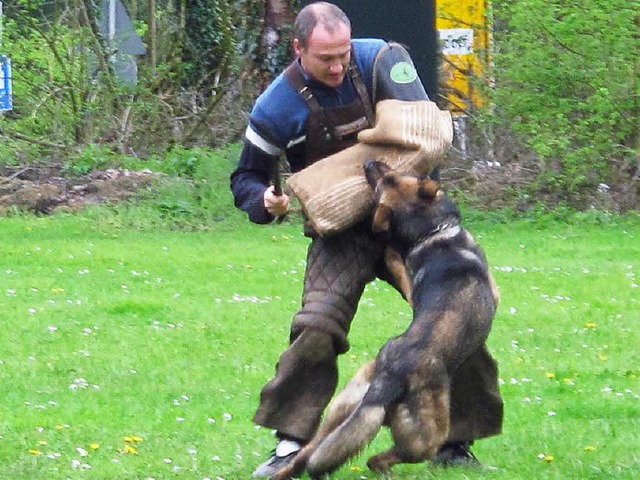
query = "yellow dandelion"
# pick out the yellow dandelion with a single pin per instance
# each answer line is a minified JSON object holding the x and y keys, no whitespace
{"x":94,"y":446}
{"x":548,"y":458}
{"x":57,"y":290}
{"x":589,"y":448}
{"x":550,"y":375}
{"x":602,"y":357}
{"x":130,"y":449}
{"x":35,"y":451}
{"x":356,"y":468}
{"x":591,"y":325}
{"x":136,"y":438}
{"x":42,"y":442}
{"x":59,"y":427}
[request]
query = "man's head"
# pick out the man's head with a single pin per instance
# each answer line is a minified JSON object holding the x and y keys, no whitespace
{"x":322,"y":41}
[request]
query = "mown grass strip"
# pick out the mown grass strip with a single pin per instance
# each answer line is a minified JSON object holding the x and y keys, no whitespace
{"x":140,"y":354}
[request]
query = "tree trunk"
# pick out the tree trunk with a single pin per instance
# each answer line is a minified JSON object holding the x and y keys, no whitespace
{"x":277,"y":16}
{"x":278,"y":25}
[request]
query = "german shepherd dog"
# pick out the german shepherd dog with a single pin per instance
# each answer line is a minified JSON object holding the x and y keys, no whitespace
{"x":444,"y":275}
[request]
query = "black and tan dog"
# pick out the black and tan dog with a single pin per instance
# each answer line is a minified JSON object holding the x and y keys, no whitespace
{"x":407,"y":386}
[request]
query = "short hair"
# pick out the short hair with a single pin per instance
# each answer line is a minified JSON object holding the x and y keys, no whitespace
{"x":324,"y":13}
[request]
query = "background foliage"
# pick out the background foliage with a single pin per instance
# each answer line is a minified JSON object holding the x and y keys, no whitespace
{"x":194,"y":91}
{"x":567,"y":82}
{"x":562,"y":123}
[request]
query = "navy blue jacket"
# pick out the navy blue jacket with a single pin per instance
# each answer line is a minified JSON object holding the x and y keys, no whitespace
{"x":278,"y":122}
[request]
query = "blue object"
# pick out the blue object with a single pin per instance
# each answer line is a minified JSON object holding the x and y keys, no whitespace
{"x":6,"y":101}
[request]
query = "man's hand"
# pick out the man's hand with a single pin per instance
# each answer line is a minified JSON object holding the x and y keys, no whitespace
{"x":276,"y":205}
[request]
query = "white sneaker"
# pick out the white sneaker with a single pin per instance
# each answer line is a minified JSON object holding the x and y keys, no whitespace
{"x":285,"y":452}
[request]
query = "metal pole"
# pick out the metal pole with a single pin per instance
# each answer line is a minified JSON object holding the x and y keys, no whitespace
{"x":111,"y":27}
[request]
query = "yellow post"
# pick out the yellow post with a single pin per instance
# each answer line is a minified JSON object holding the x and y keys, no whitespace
{"x":463,"y":29}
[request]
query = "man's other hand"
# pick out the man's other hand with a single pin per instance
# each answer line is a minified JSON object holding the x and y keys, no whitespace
{"x":276,"y":205}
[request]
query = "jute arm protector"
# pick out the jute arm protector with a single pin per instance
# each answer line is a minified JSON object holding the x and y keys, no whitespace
{"x":409,"y":136}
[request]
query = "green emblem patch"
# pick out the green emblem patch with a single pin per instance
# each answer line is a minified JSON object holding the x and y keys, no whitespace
{"x":403,"y":72}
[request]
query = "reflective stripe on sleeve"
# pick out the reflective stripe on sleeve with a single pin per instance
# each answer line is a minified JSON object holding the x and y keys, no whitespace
{"x":261,"y":143}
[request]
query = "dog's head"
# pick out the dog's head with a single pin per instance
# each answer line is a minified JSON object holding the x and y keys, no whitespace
{"x":407,"y":207}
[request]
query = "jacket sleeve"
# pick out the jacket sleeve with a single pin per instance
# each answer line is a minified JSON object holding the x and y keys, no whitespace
{"x":250,"y":180}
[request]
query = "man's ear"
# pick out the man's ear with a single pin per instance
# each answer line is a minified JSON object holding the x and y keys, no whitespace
{"x":296,"y":47}
{"x":381,"y":219}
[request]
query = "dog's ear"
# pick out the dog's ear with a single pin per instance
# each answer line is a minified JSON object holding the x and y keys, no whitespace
{"x":428,"y":188}
{"x":374,"y":170}
{"x":381,"y":219}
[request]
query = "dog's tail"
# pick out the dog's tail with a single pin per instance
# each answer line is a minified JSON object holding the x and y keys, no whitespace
{"x":355,"y":433}
{"x":346,"y":441}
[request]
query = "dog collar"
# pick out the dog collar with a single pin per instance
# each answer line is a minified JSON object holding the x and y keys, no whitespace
{"x":443,"y":227}
{"x":444,"y":231}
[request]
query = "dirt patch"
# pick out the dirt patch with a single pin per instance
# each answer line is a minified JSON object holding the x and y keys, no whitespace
{"x":44,"y":190}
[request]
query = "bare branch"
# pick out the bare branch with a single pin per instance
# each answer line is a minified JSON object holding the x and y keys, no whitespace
{"x":36,"y":141}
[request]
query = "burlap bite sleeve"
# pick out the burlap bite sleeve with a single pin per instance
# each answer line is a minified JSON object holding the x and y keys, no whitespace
{"x":409,"y":136}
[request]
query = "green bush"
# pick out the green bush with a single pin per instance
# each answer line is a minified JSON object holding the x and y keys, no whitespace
{"x":91,"y":157}
{"x":567,"y":82}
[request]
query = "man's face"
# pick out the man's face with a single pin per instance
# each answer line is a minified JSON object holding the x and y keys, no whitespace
{"x":327,"y":55}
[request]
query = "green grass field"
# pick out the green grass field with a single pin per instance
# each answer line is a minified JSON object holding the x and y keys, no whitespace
{"x":130,"y":354}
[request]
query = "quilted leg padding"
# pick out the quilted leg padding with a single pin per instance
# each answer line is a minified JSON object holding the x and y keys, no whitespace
{"x":306,"y":376}
{"x":338,"y":268}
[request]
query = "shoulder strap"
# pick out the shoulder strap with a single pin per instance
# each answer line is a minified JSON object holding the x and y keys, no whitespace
{"x":358,"y":82}
{"x":293,"y":74}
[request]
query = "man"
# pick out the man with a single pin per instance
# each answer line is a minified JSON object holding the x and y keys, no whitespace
{"x":313,"y":109}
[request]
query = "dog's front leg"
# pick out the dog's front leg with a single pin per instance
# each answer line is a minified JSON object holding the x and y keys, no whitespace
{"x":398,"y":271}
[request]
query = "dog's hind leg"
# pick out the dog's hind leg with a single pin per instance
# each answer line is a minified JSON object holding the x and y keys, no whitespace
{"x":434,"y":415}
{"x":419,"y":425}
{"x":383,"y":461}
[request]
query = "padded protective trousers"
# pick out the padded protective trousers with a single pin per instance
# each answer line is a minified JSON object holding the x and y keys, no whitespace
{"x":338,"y":268}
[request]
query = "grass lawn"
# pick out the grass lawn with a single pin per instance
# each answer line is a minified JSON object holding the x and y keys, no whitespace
{"x":136,"y":355}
